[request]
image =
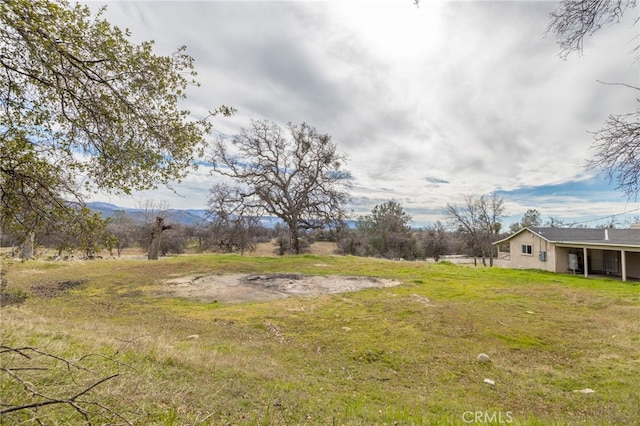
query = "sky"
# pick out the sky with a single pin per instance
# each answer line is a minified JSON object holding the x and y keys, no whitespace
{"x":429,"y":103}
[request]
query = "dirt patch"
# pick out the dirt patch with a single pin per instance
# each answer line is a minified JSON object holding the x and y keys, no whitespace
{"x":236,"y":288}
{"x":55,"y":289}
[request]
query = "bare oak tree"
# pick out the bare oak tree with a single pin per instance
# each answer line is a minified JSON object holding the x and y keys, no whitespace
{"x":466,"y":218}
{"x":617,"y":143}
{"x":491,"y":209}
{"x":479,"y":220}
{"x":294,"y":174}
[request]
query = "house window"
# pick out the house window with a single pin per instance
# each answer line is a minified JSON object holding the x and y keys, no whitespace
{"x":526,"y":249}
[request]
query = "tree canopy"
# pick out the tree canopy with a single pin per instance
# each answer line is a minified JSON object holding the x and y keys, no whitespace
{"x":531,"y":217}
{"x":295,"y":174}
{"x":81,"y":103}
{"x":387,"y":233}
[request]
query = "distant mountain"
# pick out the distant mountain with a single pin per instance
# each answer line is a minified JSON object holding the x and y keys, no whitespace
{"x":187,"y":217}
{"x":183,"y":217}
{"x":105,"y":207}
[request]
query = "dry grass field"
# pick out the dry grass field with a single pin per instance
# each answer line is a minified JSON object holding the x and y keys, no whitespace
{"x":321,"y":248}
{"x":404,"y":354}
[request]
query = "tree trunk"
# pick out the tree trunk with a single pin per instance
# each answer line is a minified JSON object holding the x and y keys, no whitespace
{"x":156,"y":237}
{"x":27,"y":251}
{"x":295,"y":239}
{"x":491,"y":256}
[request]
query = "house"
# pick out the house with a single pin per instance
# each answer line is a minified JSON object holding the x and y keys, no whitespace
{"x":614,"y":252}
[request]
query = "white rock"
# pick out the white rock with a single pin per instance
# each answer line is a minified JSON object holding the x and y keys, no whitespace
{"x":421,"y":299}
{"x":193,"y":337}
{"x":585,"y":391}
{"x":489,"y":382}
{"x":484,"y":358}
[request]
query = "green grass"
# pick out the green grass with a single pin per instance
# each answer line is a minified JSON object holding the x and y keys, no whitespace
{"x":378,"y":356}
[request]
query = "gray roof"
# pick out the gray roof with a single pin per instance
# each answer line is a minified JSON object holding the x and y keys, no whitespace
{"x":625,"y":237}
{"x":589,"y":235}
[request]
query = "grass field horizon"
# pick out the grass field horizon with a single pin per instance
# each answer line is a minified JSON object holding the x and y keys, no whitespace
{"x":399,"y":355}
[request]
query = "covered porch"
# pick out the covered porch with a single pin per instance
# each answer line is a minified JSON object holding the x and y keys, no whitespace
{"x":590,"y":259}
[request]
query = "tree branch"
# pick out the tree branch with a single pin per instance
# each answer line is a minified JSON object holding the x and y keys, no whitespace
{"x":618,"y":84}
{"x":72,"y":401}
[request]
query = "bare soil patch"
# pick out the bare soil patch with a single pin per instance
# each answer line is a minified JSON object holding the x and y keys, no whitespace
{"x":241,"y":288}
{"x":55,"y":289}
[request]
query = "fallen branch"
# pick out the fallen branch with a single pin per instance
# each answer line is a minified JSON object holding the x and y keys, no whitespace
{"x":70,"y":401}
{"x":75,"y":401}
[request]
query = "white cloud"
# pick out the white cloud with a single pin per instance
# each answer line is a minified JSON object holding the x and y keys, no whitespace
{"x":428,"y":103}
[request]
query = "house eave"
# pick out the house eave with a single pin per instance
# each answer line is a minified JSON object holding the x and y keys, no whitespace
{"x":602,"y":245}
{"x":504,"y":240}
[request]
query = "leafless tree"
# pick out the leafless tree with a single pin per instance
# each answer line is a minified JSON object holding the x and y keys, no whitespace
{"x":295,"y":175}
{"x":617,"y":143}
{"x":556,"y":222}
{"x":478,"y":218}
{"x":121,"y":229}
{"x":435,"y":241}
{"x":491,"y":209}
{"x":466,"y":219}
{"x":573,"y":20}
{"x":156,"y":237}
{"x":231,"y":224}
{"x":155,"y":213}
{"x":617,"y":147}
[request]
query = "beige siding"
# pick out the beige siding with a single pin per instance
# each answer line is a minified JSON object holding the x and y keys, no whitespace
{"x":531,"y":261}
{"x":562,"y":259}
